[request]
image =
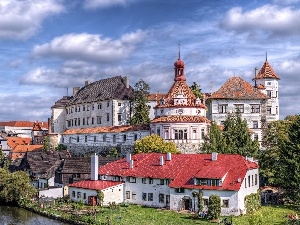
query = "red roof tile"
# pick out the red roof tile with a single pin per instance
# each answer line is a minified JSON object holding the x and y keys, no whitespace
{"x":183,"y":168}
{"x":108,"y":129}
{"x":237,"y":88}
{"x":95,"y":184}
{"x":155,"y":97}
{"x":20,"y":150}
{"x":181,"y":119}
{"x":266,"y":72}
{"x":12,"y":142}
{"x":23,"y":124}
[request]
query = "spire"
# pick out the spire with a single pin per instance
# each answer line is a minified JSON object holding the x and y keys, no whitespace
{"x":266,"y":56}
{"x":179,"y":49}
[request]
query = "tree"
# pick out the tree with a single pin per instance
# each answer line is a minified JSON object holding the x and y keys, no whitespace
{"x":100,"y":197}
{"x":196,"y":90}
{"x":3,"y":159}
{"x":113,"y":153}
{"x":275,"y":133}
{"x":46,"y":146}
{"x":139,"y":107}
{"x":214,"y":206}
{"x":154,"y":143}
{"x":214,"y":141}
{"x":200,"y":201}
{"x":289,"y":170}
{"x":60,"y":147}
{"x":237,"y":136}
{"x":234,"y":139}
{"x":15,"y":187}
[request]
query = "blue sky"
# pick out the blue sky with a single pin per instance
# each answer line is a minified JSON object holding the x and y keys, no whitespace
{"x":48,"y":47}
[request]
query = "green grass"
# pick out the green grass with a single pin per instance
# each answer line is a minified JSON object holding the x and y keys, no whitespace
{"x":138,"y":215}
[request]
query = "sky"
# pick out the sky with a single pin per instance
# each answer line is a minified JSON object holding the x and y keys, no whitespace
{"x":48,"y":47}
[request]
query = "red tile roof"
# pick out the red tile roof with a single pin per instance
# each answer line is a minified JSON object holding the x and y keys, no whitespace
{"x":181,"y":119}
{"x":95,"y":184}
{"x":36,"y":126}
{"x":183,"y":168}
{"x":266,"y":72}
{"x":237,"y":88}
{"x":23,"y":124}
{"x":20,"y":150}
{"x":12,"y":142}
{"x":108,"y":129}
{"x":155,"y":97}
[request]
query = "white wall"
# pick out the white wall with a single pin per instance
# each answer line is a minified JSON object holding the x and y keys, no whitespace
{"x":56,"y":192}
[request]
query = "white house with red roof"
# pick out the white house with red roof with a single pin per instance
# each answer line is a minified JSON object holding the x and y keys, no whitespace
{"x":165,"y":180}
{"x":180,"y":117}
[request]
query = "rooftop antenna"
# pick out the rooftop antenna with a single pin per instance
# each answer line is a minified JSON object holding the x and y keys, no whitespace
{"x":266,"y":56}
{"x":179,"y":50}
{"x":211,"y":87}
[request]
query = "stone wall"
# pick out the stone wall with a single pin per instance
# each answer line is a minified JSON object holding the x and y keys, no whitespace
{"x":189,"y":148}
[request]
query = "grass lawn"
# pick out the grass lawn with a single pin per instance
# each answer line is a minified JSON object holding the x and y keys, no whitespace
{"x":137,"y":215}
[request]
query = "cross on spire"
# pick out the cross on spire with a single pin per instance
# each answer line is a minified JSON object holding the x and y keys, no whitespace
{"x":266,"y":56}
{"x":179,"y":50}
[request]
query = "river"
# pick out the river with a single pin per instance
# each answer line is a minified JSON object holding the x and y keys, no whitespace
{"x":16,"y":216}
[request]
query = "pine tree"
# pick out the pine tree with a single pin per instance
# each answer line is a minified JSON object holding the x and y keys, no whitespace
{"x":139,"y":107}
{"x":214,"y":142}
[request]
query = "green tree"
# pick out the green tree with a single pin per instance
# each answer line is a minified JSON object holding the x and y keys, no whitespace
{"x":46,"y":146}
{"x":200,"y":201}
{"x":60,"y":147}
{"x":100,"y":197}
{"x":15,"y":187}
{"x":113,"y":153}
{"x":237,"y":137}
{"x":139,"y":107}
{"x":214,"y":206}
{"x":214,"y":141}
{"x":154,"y":143}
{"x":289,"y":170}
{"x":269,"y":161}
{"x":4,"y":162}
{"x":196,"y":90}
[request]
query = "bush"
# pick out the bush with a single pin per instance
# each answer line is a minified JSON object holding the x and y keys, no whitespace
{"x":252,"y":202}
{"x":214,"y":206}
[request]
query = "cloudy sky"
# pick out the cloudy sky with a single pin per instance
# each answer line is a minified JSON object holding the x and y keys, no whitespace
{"x":48,"y":47}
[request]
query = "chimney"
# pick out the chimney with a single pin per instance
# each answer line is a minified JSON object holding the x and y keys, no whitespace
{"x":126,"y":81}
{"x":94,"y":167}
{"x":128,"y":157}
{"x":75,"y":90}
{"x":131,"y":165}
{"x":86,"y":83}
{"x":169,"y":156}
{"x":214,"y":156}
{"x":256,"y":71}
{"x":161,"y":160}
{"x":249,"y":159}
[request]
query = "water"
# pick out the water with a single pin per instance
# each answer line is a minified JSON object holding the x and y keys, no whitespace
{"x":15,"y":216}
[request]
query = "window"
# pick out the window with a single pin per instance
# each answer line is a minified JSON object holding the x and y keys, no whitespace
{"x":95,"y":138}
{"x":78,"y":108}
{"x":99,"y":106}
{"x":161,"y":198}
{"x":78,"y":121}
{"x":225,"y":203}
{"x":158,"y":131}
{"x":239,"y":108}
{"x":98,"y":119}
{"x":252,"y":181}
{"x":168,"y":199}
{"x":104,"y":138}
{"x":70,"y":140}
{"x":144,"y":196}
{"x":75,"y":122}
{"x":269,"y":111}
{"x":223,"y":108}
{"x":166,"y":134}
{"x":77,"y":138}
{"x":205,"y":201}
{"x":83,"y":108}
{"x":114,"y":138}
{"x":161,"y":181}
{"x":92,"y":120}
{"x":150,"y":181}
{"x":83,"y":121}
{"x":255,"y":123}
{"x":132,"y":180}
{"x":107,"y":104}
{"x":85,"y":138}
{"x":168,"y":181}
{"x":179,"y":190}
{"x":119,"y":103}
{"x":87,"y":108}
{"x":78,"y":194}
{"x":249,"y":181}
{"x":144,"y":180}
{"x":87,"y":120}
{"x":180,"y":134}
{"x":255,"y":179}
{"x":202,"y":133}
{"x":119,"y":117}
{"x":107,"y":117}
{"x":245,"y":182}
{"x":93,"y":107}
{"x":269,"y":93}
{"x":135,"y":137}
{"x":268,"y":83}
{"x":124,"y":137}
{"x":127,"y":194}
{"x":73,"y":194}
{"x":255,"y":137}
{"x":255,"y":108}
{"x":150,"y":197}
{"x":84,"y":195}
{"x":133,"y":196}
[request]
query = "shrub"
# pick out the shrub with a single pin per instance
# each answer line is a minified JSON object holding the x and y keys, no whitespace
{"x":252,"y":202}
{"x":214,"y":206}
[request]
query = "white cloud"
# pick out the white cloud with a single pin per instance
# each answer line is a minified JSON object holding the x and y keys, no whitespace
{"x":268,"y":19}
{"x":91,"y":47}
{"x":93,"y":4}
{"x":21,"y":19}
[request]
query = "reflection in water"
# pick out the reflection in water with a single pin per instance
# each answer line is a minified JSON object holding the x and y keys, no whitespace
{"x":10,"y":215}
